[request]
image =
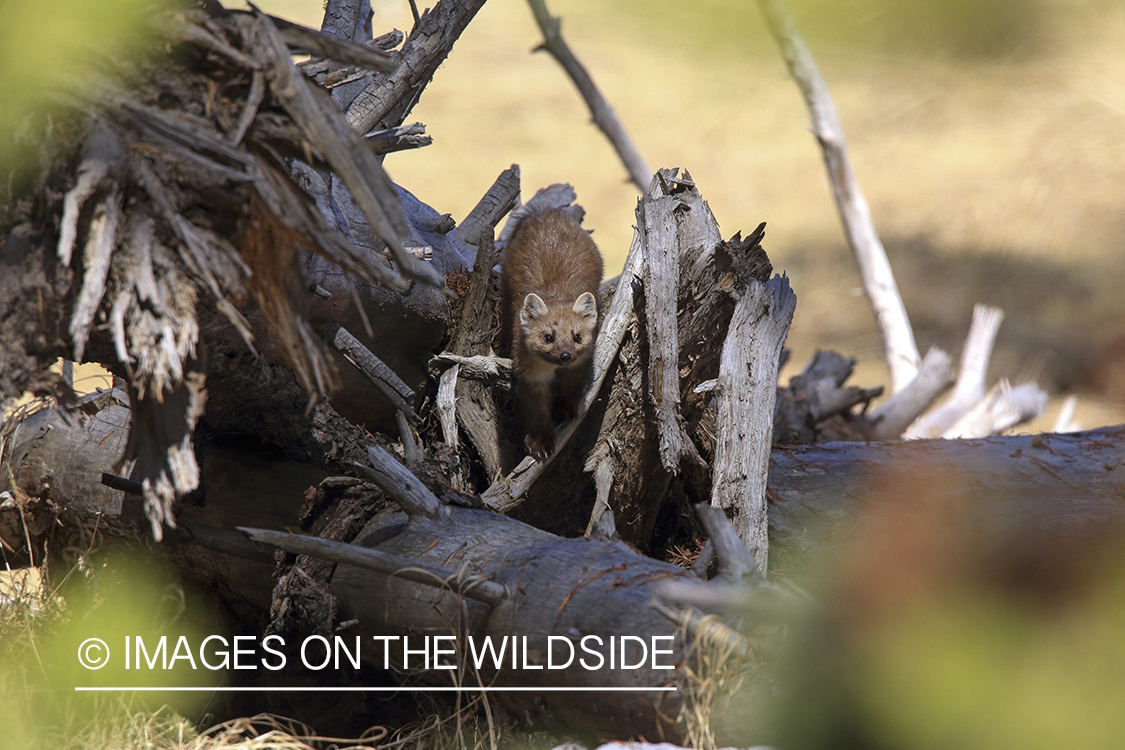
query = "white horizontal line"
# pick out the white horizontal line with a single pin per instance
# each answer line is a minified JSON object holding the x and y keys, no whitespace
{"x":377,"y":689}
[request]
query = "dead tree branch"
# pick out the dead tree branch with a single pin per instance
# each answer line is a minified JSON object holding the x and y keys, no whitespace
{"x":871,"y":257}
{"x":931,"y":380}
{"x":388,"y":99}
{"x":604,"y":116}
{"x":971,"y":378}
{"x":474,"y":587}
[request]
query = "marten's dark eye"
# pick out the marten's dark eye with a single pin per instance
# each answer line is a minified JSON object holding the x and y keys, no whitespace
{"x":578,"y":338}
{"x":548,"y":338}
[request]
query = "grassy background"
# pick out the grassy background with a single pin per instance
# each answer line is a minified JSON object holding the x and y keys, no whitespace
{"x":987,"y":136}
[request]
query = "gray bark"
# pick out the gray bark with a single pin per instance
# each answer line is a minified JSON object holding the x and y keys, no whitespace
{"x":747,"y":393}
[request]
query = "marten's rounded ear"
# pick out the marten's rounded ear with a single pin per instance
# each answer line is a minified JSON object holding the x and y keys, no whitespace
{"x":533,"y":307}
{"x":587,"y":307}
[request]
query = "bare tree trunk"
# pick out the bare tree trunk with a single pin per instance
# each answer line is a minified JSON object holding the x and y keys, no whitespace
{"x":747,"y":394}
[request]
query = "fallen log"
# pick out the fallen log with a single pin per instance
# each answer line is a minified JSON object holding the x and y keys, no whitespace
{"x":1050,"y":488}
{"x":566,"y":596}
{"x":1069,"y":483}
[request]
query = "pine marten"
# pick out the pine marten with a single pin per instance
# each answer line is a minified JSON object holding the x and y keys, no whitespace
{"x":549,"y":283}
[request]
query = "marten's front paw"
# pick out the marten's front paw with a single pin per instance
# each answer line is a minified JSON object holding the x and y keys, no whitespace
{"x":539,"y":446}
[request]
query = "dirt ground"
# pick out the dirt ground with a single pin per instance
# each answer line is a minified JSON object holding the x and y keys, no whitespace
{"x":989,"y":143}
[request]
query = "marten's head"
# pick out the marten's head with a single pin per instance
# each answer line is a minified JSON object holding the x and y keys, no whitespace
{"x":560,"y":334}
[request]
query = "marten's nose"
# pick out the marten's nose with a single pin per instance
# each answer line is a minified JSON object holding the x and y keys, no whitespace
{"x":565,"y":356}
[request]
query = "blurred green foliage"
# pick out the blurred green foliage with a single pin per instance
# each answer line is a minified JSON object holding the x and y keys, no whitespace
{"x":47,"y":49}
{"x":981,"y":671}
{"x":961,"y":664}
{"x":51,"y":46}
{"x":120,"y":596}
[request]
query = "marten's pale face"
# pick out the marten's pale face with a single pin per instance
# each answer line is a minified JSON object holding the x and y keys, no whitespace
{"x":561,"y":335}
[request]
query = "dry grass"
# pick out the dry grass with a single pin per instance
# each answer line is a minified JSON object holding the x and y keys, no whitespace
{"x":35,"y":715}
{"x":713,"y":669}
{"x":121,"y":728}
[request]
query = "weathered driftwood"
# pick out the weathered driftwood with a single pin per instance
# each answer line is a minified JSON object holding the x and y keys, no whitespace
{"x":472,"y":336}
{"x":855,"y":214}
{"x":1002,"y":408}
{"x":399,"y":138}
{"x":932,"y":378}
{"x":739,"y":593}
{"x":344,"y":150}
{"x":470,"y":403}
{"x":496,"y":371}
{"x":446,"y":407}
{"x":971,"y":376}
{"x":879,"y":283}
{"x":662,"y":255}
{"x":561,"y":588}
{"x":746,"y":394}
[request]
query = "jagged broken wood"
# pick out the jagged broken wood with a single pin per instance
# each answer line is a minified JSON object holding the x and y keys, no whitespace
{"x":496,"y":371}
{"x":470,"y":403}
{"x":1002,"y":408}
{"x":398,"y":138}
{"x":656,"y":223}
{"x":816,"y":403}
{"x":971,"y":377}
{"x":181,"y":265}
{"x":344,"y":149}
{"x":933,"y":377}
{"x":500,"y":198}
{"x":376,"y":371}
{"x":746,"y":396}
{"x":627,"y":470}
{"x":388,"y":99}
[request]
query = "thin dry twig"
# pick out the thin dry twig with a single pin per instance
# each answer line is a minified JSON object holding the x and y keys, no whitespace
{"x":604,"y":116}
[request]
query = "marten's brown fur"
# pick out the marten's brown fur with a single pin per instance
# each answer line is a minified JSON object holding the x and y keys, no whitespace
{"x":549,"y":313}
